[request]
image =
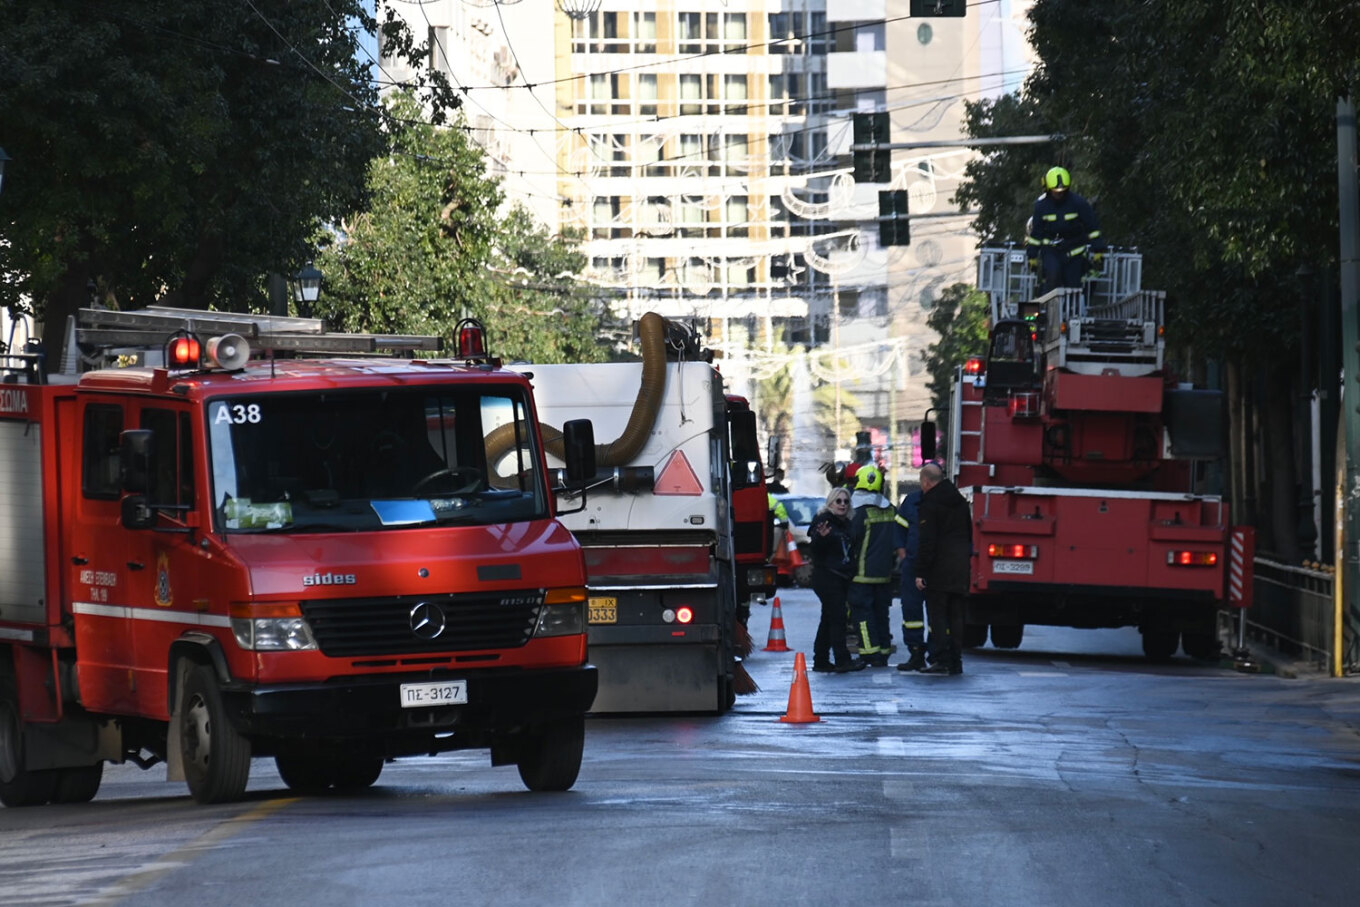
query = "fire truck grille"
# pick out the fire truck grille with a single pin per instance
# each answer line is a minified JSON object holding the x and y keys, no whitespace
{"x":400,"y":626}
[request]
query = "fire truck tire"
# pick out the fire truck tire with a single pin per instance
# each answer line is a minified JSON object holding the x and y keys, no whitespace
{"x":1159,"y":643}
{"x":550,"y":755}
{"x":1007,"y":636}
{"x":216,"y":755}
{"x":1202,"y":646}
{"x":311,"y":770}
{"x":79,"y":784}
{"x":974,"y":636}
{"x":18,"y":785}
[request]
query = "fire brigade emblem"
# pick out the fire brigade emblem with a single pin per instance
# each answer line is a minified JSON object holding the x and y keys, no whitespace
{"x":164,"y":596}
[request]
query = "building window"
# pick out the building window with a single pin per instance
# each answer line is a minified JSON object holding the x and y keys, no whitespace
{"x":738,"y":216}
{"x":691,"y":95}
{"x":644,"y":33}
{"x":646,"y":94}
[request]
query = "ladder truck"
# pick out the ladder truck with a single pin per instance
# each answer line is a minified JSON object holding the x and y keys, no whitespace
{"x":1084,"y":460}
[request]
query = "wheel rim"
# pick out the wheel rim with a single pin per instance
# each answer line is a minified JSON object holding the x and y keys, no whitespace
{"x":197,"y":735}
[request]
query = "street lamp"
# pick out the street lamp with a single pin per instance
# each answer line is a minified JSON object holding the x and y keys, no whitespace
{"x":3,"y":157}
{"x":578,"y":9}
{"x":306,"y":289}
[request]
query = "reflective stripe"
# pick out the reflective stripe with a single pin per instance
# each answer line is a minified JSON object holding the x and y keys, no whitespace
{"x":160,"y":615}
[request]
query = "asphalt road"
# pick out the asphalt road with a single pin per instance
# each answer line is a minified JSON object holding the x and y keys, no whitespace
{"x":1069,"y":771}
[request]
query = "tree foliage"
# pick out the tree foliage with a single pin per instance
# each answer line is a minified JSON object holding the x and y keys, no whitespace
{"x":1205,"y":134}
{"x":176,"y":152}
{"x":432,"y":247}
{"x":962,"y":318}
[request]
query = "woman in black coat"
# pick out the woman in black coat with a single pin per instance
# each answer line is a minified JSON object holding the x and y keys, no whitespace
{"x":832,"y":569}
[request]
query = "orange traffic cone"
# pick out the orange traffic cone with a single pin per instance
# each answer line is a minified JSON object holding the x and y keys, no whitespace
{"x":800,"y":697}
{"x":795,"y":556}
{"x":776,"y":641}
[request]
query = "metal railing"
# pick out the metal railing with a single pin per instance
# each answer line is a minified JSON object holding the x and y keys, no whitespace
{"x":1294,"y":610}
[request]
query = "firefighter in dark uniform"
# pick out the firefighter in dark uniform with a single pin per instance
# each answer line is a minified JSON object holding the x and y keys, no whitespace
{"x":913,"y":599}
{"x":1064,"y":236}
{"x":873,"y":545}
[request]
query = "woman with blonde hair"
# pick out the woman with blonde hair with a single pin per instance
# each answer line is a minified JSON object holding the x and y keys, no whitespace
{"x":832,"y":569}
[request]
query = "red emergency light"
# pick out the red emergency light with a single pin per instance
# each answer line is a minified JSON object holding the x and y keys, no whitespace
{"x":684,"y":614}
{"x":1013,"y":552}
{"x":1192,"y":558}
{"x":183,"y":350}
{"x":974,"y":366}
{"x":471,"y":338}
{"x":1023,"y":405}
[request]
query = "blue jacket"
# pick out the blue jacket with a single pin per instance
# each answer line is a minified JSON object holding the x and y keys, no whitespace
{"x":909,"y":535}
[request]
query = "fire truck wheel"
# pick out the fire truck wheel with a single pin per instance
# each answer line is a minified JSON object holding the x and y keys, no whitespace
{"x":974,"y":636}
{"x":79,"y":784}
{"x":303,"y":770}
{"x":216,"y":756}
{"x":1159,"y":643}
{"x":550,"y":755}
{"x":1202,"y":646}
{"x":1007,"y":636}
{"x":358,"y":772}
{"x":18,"y":785}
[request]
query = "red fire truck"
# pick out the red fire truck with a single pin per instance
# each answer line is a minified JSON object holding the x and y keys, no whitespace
{"x":210,"y":556}
{"x":1084,"y":460}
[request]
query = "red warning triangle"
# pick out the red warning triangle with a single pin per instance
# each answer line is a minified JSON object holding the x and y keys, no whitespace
{"x":678,"y":477}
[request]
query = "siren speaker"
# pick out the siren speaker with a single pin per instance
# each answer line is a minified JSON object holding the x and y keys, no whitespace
{"x":230,"y":351}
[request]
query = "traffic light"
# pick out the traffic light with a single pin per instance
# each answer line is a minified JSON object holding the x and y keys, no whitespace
{"x":954,"y":8}
{"x":894,"y":229}
{"x":873,"y":166}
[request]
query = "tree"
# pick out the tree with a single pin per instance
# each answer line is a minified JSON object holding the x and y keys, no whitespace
{"x":431,"y":247}
{"x":176,"y":152}
{"x":962,"y":318}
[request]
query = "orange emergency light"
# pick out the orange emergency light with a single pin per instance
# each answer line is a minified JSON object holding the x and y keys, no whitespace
{"x":183,"y":350}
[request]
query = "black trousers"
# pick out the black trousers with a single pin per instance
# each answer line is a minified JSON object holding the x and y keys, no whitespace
{"x":831,"y":592}
{"x":946,"y":613}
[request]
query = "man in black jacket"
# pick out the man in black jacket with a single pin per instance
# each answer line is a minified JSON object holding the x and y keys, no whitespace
{"x":942,"y":566}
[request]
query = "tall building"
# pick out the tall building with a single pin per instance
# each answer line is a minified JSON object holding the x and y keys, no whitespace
{"x":703,"y":147}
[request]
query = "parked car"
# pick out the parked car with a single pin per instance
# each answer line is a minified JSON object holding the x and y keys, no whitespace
{"x":801,"y":509}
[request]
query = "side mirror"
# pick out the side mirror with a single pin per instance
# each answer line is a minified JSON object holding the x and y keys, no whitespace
{"x":927,"y":441}
{"x":578,"y":436}
{"x":134,"y":461}
{"x":137,"y":512}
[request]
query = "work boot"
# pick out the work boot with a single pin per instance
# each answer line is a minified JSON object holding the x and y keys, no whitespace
{"x":917,"y":662}
{"x":823,"y":667}
{"x":943,"y":667}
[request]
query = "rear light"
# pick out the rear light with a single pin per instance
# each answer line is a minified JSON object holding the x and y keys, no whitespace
{"x":1192,"y":558}
{"x":1013,"y":552}
{"x":1023,"y":405}
{"x":684,"y":615}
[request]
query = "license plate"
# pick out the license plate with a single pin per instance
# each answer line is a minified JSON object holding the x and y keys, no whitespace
{"x":439,"y":692}
{"x":1025,"y":567}
{"x":603,"y":610}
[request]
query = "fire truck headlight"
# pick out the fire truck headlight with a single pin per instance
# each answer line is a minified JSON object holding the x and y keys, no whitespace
{"x":563,"y":613}
{"x":273,"y":634}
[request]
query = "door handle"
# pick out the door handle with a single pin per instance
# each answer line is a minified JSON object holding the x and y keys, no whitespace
{"x":80,"y":561}
{"x":136,"y":565}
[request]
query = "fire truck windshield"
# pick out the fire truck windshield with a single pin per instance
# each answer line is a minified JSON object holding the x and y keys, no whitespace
{"x":351,"y":461}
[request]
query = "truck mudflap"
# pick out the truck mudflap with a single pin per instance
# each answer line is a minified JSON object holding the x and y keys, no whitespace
{"x":653,"y":678}
{"x":359,"y":707}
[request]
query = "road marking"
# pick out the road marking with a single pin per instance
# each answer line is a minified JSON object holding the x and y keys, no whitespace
{"x":891,"y":746}
{"x":1042,"y":673}
{"x":885,"y":708}
{"x":164,"y":865}
{"x":881,"y":678}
